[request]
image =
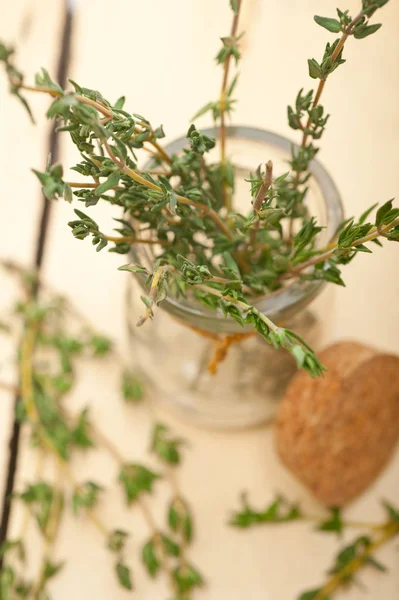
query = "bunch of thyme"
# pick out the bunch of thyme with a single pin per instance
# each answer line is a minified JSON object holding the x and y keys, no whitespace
{"x":48,"y":350}
{"x":183,"y":206}
{"x":349,"y":560}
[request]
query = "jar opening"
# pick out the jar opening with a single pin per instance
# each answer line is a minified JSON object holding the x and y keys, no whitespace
{"x":287,"y":301}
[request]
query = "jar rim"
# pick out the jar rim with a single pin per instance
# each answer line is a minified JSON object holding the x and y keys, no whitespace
{"x":286,"y":301}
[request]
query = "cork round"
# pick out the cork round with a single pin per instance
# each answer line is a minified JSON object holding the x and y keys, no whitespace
{"x":337,"y":433}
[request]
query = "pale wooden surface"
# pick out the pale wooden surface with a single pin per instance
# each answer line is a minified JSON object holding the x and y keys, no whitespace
{"x":21,"y":146}
{"x":359,"y":149}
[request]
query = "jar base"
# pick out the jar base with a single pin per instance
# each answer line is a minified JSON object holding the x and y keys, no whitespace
{"x":185,"y":408}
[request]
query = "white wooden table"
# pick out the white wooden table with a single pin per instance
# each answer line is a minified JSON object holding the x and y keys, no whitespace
{"x":164,"y":65}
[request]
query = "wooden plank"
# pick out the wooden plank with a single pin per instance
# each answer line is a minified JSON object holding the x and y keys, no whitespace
{"x":34,"y":31}
{"x":148,"y":67}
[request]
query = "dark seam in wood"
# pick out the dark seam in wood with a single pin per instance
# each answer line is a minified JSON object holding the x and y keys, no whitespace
{"x":53,"y":145}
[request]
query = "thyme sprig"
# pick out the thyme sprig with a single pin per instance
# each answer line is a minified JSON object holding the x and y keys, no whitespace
{"x":49,"y":349}
{"x":308,"y":115}
{"x":349,"y":560}
{"x":352,"y":558}
{"x":179,"y":515}
{"x":182,"y":206}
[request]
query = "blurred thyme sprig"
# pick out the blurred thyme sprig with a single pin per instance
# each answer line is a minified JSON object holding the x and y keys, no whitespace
{"x":181,"y":206}
{"x":47,"y":332}
{"x":349,"y":560}
{"x":179,"y":516}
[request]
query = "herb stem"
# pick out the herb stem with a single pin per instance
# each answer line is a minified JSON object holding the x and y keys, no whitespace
{"x":27,"y":514}
{"x":132,"y":173}
{"x":374,"y":233}
{"x":242,"y":305}
{"x":134,"y":240}
{"x":156,"y":279}
{"x":182,"y":199}
{"x":161,"y":151}
{"x":224,"y":281}
{"x":264,"y":188}
{"x":96,"y":521}
{"x":350,"y":523}
{"x":26,"y":375}
{"x":334,"y":56}
{"x":319,"y":91}
{"x":101,"y":108}
{"x":26,"y":372}
{"x":222,"y":102}
{"x":156,"y":535}
{"x":357,"y":563}
{"x":88,"y":185}
{"x":177,"y":499}
{"x":107,"y":444}
{"x":50,"y":535}
{"x":260,"y":198}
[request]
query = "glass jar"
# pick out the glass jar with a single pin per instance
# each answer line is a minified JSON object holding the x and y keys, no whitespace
{"x":173,"y":351}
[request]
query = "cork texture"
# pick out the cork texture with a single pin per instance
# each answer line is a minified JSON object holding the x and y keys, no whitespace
{"x":338,"y":432}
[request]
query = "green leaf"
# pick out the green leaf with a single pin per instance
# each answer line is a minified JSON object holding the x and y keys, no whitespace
{"x":100,"y":344}
{"x":165,"y":447}
{"x":279,"y":511}
{"x":111,"y":182}
{"x":51,"y":569}
{"x":134,"y":268}
{"x":370,"y":6}
{"x":170,"y":546}
{"x":393,"y":234}
{"x":80,"y":435}
{"x":234,"y":6}
{"x":230,"y":48}
{"x":293,"y":119}
{"x":52,"y":183}
{"x":5,"y":52}
{"x":203,"y":110}
{"x":136,"y":479}
{"x":150,"y":558}
{"x":68,"y":196}
{"x":393,"y":513}
{"x":357,"y":550}
{"x":120,"y":103}
{"x":366,"y":213}
{"x":382,"y":212}
{"x":7,"y":579}
{"x":363,"y":248}
{"x":376,"y":564}
{"x":132,"y":388}
{"x":43,"y":79}
{"x":173,"y":517}
{"x":232,"y":85}
{"x":365,"y":31}
{"x":159,"y":133}
{"x":300,"y":356}
{"x":11,"y":545}
{"x":312,"y":594}
{"x":116,"y":540}
{"x":62,"y":107}
{"x":334,"y":523}
{"x":315,"y":71}
{"x":86,"y":496}
{"x":43,"y":499}
{"x":199,"y":142}
{"x":332,"y":25}
{"x":123,"y":575}
{"x":172,"y":202}
{"x":25,"y":104}
{"x":187,"y":578}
